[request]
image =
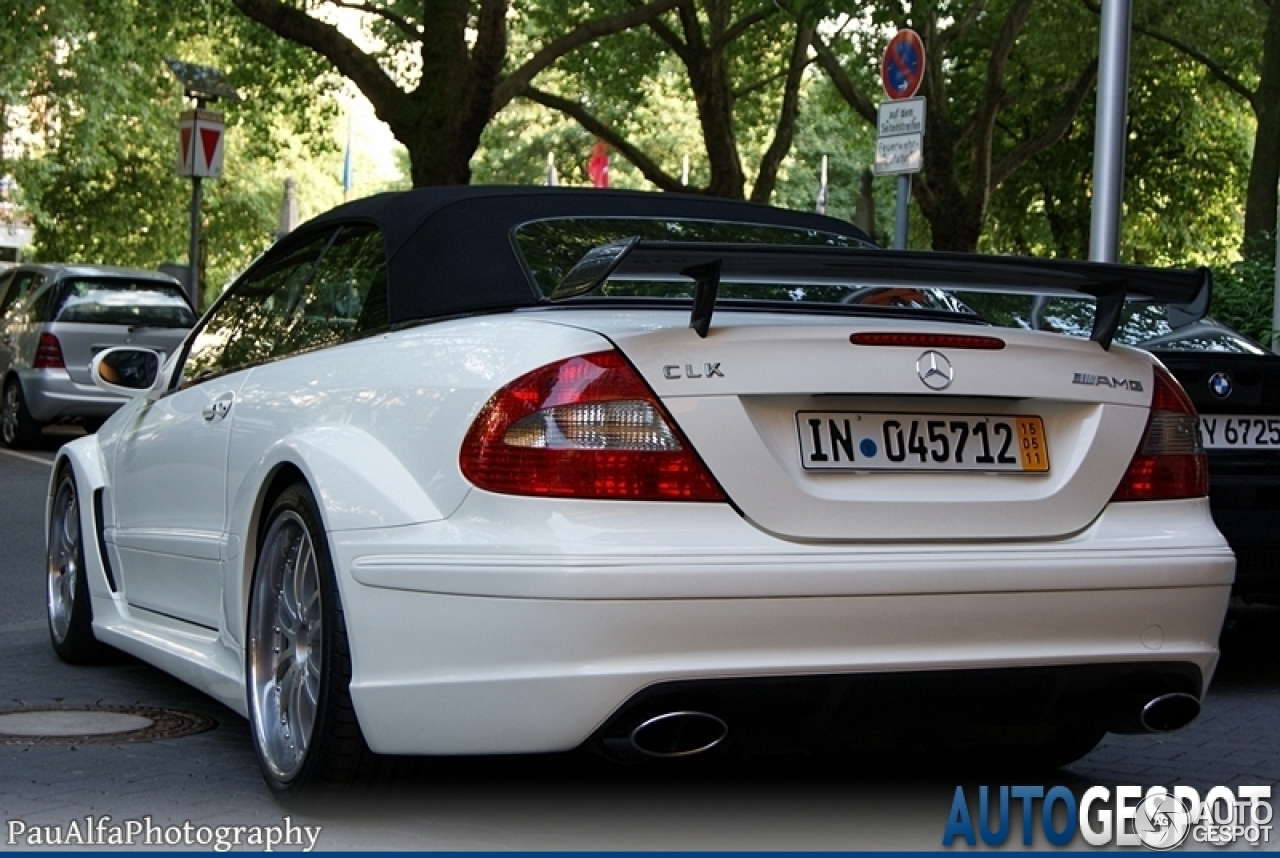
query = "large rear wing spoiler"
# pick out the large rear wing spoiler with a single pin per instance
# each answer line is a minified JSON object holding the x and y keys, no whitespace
{"x":1185,"y":292}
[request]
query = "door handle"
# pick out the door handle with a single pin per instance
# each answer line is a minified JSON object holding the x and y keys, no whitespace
{"x":218,"y":408}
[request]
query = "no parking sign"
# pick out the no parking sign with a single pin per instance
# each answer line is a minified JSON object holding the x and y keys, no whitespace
{"x":902,"y":68}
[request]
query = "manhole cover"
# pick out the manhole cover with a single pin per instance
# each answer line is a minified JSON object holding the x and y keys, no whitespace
{"x":98,"y":725}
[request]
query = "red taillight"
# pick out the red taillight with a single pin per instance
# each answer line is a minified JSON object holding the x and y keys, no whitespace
{"x":1170,"y":462}
{"x":49,"y":353}
{"x":586,"y":427}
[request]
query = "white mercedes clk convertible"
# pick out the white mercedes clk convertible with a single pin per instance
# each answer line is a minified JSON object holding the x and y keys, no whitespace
{"x":510,"y":470}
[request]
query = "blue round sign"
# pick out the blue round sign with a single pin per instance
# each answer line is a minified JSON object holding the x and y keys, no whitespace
{"x":902,"y":68}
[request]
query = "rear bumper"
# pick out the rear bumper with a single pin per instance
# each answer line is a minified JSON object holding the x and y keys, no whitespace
{"x":51,"y":394}
{"x":471,"y":640}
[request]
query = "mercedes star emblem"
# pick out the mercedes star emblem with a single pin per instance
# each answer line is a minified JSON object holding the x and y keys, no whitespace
{"x":934,"y":370}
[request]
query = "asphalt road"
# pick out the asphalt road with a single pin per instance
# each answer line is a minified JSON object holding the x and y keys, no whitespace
{"x":540,"y":803}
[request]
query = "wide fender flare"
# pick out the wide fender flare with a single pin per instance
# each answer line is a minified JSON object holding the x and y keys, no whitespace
{"x":358,"y":483}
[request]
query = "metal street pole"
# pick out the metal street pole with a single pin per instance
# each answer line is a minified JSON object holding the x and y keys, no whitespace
{"x":193,"y":253}
{"x":1108,"y":141}
{"x":901,"y":223}
{"x":1275,"y":312}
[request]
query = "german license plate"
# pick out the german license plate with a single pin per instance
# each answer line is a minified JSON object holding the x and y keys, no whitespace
{"x":1239,"y":432}
{"x":863,"y":441}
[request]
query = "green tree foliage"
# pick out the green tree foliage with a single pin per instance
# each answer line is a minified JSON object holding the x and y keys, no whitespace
{"x":740,"y":66}
{"x":1237,"y":43}
{"x":437,"y":71}
{"x":984,"y":58}
{"x":732,"y":84}
{"x":1186,"y":162}
{"x":100,"y":110}
{"x":1243,"y":294}
{"x":516,"y":144}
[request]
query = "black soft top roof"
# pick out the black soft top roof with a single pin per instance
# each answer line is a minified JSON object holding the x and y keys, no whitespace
{"x":449,"y":249}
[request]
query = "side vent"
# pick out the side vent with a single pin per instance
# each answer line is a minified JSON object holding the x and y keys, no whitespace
{"x":99,"y":530}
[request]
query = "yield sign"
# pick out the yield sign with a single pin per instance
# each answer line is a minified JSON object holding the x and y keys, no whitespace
{"x":211,"y":148}
{"x":902,"y":68}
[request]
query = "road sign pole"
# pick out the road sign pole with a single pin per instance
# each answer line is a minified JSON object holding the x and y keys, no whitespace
{"x":900,"y":221}
{"x":900,"y":122}
{"x":193,"y":254}
{"x":200,"y":147}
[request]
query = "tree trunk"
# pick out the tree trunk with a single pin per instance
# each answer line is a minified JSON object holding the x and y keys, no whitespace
{"x":436,"y":156}
{"x":712,"y":87}
{"x":461,"y":85}
{"x":784,"y":130}
{"x":1264,"y":172}
{"x":433,"y":122}
{"x":938,"y":190}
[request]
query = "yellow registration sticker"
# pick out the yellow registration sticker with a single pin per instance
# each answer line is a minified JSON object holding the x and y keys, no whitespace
{"x":1031,"y":444}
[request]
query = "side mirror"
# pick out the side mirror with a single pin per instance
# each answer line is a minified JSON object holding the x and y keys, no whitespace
{"x":126,"y":370}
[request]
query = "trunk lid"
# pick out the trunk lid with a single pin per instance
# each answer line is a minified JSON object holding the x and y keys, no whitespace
{"x":764,"y":398}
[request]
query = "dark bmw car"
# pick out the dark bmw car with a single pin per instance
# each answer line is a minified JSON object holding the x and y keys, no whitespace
{"x":1235,"y":385}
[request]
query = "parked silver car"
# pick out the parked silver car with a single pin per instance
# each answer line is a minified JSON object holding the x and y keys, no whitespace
{"x":55,"y":318}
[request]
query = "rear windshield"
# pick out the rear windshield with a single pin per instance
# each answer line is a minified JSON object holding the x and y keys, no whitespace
{"x":551,"y":248}
{"x":1143,"y":325}
{"x":124,"y":301}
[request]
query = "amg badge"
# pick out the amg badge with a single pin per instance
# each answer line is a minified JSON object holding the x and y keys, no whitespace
{"x":1107,"y":381}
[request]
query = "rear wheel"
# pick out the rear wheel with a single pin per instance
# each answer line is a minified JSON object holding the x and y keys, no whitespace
{"x":297,"y":659}
{"x":67,"y":589}
{"x":17,"y":427}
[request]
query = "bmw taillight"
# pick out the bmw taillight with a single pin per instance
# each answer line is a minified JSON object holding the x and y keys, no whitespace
{"x":1170,"y":462}
{"x":585,"y":427}
{"x":49,"y":353}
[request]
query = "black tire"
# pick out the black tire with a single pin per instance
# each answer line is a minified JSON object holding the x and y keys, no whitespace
{"x":67,"y":602}
{"x":17,"y":427}
{"x":282,"y":678}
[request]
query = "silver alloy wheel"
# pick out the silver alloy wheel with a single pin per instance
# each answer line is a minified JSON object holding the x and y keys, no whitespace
{"x":285,"y":651}
{"x":9,"y":413}
{"x":64,"y":558}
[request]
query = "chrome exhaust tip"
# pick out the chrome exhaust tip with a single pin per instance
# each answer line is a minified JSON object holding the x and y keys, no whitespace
{"x":678,"y":734}
{"x":1169,"y":712}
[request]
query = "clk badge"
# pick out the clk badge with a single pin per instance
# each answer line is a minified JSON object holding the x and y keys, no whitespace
{"x":934,"y":370}
{"x":1220,"y":384}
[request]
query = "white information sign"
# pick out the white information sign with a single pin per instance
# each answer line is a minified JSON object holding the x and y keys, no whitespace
{"x":900,"y":137}
{"x":904,"y":116}
{"x":903,"y":153}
